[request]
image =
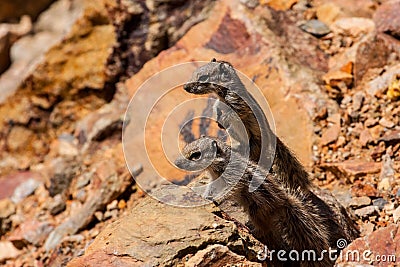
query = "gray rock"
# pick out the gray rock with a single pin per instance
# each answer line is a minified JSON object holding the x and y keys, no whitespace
{"x":381,"y":83}
{"x":37,"y":236}
{"x":169,"y":234}
{"x":366,"y":211}
{"x":111,"y":187}
{"x":380,"y":203}
{"x":57,"y":205}
{"x":358,"y":202}
{"x":315,"y":27}
{"x":25,"y":189}
{"x":250,"y":3}
{"x":27,"y":52}
{"x":59,"y":17}
{"x":358,"y":100}
{"x":387,"y":175}
{"x":219,"y":255}
{"x":30,"y":232}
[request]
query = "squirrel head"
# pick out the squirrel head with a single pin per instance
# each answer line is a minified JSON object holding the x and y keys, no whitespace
{"x":204,"y":153}
{"x":215,"y":77}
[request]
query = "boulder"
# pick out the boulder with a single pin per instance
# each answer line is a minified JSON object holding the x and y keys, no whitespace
{"x":170,"y":235}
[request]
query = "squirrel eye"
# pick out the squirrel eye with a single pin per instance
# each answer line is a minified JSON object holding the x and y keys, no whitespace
{"x":203,"y":78}
{"x":195,"y":156}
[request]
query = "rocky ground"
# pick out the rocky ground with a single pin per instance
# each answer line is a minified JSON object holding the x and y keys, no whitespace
{"x":330,"y":71}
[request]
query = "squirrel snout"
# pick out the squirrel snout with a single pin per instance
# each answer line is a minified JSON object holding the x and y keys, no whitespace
{"x":187,"y":87}
{"x":179,"y":163}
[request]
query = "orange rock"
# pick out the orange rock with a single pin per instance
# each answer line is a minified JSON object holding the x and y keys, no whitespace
{"x":333,"y":78}
{"x":348,"y":67}
{"x":352,"y":168}
{"x":327,"y":12}
{"x":227,"y":35}
{"x":121,"y":204}
{"x":360,"y":189}
{"x":331,"y":134}
{"x":279,"y":4}
{"x":365,"y":137}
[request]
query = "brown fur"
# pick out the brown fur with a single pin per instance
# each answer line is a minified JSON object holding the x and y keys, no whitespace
{"x":282,"y":219}
{"x":220,"y":78}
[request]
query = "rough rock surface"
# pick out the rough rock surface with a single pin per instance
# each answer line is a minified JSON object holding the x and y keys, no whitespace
{"x":173,"y":234}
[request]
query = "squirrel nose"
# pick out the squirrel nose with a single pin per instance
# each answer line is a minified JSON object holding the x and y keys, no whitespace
{"x":178,"y":163}
{"x":188,"y":86}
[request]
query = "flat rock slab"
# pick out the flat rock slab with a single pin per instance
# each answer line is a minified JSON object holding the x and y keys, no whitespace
{"x":158,"y":234}
{"x":352,"y":168}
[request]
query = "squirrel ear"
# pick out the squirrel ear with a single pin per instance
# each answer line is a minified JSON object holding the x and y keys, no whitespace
{"x":223,"y":66}
{"x":213,"y":60}
{"x":224,"y":71}
{"x":214,"y":143}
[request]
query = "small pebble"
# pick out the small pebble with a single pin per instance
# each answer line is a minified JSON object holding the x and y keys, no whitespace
{"x":386,"y":123}
{"x":366,"y":211}
{"x":380,"y":203}
{"x":113,"y":205}
{"x":121,"y":204}
{"x":83,"y":180}
{"x":368,"y":228}
{"x":389,"y":208}
{"x":99,"y":215}
{"x":370,"y":122}
{"x":398,"y":193}
{"x":25,"y":189}
{"x":81,"y":195}
{"x":358,"y":100}
{"x":360,"y":201}
{"x":315,"y":27}
{"x":73,"y":238}
{"x":396,"y":214}
{"x":57,"y":205}
{"x":384,"y":185}
{"x":110,"y":214}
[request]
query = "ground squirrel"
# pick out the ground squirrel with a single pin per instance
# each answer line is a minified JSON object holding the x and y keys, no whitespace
{"x":283,"y":219}
{"x":220,"y":77}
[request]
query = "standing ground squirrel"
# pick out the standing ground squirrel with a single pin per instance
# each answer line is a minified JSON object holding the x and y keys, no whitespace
{"x":220,"y":77}
{"x":282,"y":219}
